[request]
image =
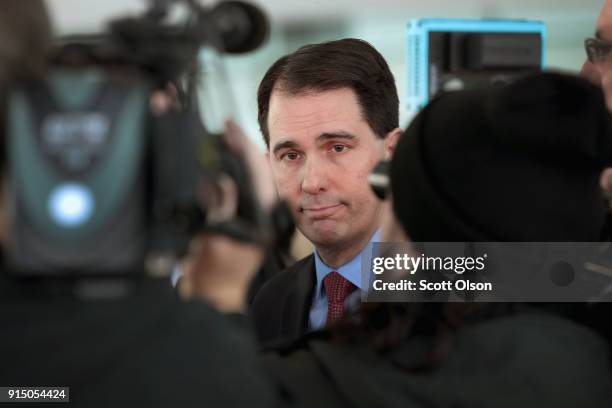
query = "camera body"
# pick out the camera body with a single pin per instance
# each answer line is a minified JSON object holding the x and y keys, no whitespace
{"x":98,"y":181}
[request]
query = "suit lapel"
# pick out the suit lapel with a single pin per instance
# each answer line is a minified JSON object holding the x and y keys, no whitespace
{"x":297,"y":303}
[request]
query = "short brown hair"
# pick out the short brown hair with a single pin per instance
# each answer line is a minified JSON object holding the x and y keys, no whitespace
{"x":331,"y":65}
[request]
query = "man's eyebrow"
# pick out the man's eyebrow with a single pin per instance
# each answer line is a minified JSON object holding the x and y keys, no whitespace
{"x":287,"y":144}
{"x":323,"y":137}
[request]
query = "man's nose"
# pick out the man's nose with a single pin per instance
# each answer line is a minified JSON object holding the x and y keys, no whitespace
{"x":591,"y":72}
{"x":315,"y":177}
{"x":600,"y":74}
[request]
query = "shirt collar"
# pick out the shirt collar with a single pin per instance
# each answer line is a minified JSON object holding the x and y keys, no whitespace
{"x":350,"y":270}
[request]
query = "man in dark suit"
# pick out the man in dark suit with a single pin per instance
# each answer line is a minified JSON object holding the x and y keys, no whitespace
{"x":328,"y":113}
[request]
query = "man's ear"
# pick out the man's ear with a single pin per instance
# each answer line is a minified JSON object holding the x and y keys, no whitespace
{"x":391,"y":141}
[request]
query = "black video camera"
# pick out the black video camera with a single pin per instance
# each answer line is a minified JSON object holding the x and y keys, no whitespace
{"x":98,"y":182}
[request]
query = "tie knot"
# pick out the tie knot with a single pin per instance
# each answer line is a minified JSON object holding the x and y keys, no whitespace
{"x":337,"y":288}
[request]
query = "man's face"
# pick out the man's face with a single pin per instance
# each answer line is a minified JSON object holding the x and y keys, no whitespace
{"x":321,"y":153}
{"x":600,"y":73}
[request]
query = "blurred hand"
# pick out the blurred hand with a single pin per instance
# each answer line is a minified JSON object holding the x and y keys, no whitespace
{"x":218,"y":268}
{"x":259,"y":166}
{"x":165,"y":100}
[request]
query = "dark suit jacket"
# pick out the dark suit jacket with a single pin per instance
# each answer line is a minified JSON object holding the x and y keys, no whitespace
{"x":281,"y":308}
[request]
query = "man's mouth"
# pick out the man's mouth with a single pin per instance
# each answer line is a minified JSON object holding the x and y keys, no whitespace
{"x":322,"y":211}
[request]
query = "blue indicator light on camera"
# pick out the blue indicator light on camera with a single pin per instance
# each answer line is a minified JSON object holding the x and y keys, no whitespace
{"x":71,"y":204}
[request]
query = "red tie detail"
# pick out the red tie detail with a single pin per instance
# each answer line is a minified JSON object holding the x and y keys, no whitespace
{"x":337,"y":288}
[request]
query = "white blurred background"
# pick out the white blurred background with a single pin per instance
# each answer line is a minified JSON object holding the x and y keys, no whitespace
{"x":380,"y":22}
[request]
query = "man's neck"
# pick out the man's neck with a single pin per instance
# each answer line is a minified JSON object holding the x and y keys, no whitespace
{"x":338,"y":255}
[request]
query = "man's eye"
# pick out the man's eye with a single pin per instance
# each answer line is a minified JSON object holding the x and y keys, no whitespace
{"x":291,"y":156}
{"x":339,"y":148}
